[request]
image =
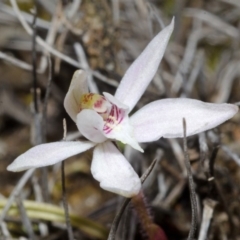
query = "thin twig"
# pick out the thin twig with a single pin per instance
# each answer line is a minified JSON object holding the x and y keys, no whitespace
{"x":34,"y":61}
{"x":4,"y":232}
{"x":191,"y":185}
{"x":38,"y":194}
{"x":44,"y":170}
{"x":25,"y":219}
{"x":16,"y":192}
{"x":117,"y":218}
{"x":16,"y":62}
{"x":83,"y":61}
{"x":46,"y":98}
{"x":64,"y":197}
{"x":208,"y":209}
{"x":149,"y":170}
{"x":212,"y":161}
{"x":215,"y":189}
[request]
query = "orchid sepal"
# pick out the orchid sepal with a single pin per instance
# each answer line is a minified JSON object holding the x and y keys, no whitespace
{"x":142,"y":70}
{"x":163,"y":118}
{"x":113,"y":171}
{"x":48,"y":154}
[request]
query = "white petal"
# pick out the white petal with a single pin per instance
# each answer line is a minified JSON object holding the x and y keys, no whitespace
{"x":123,"y":132}
{"x":90,"y":124}
{"x":113,"y":171}
{"x":143,"y":69}
{"x":77,"y":87}
{"x":48,"y":154}
{"x":164,"y":118}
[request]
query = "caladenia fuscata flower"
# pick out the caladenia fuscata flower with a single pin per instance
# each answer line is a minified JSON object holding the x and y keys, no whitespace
{"x":105,"y":118}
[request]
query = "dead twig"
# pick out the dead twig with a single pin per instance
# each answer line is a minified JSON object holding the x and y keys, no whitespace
{"x":193,"y":197}
{"x":34,"y":61}
{"x":15,"y":62}
{"x":21,"y":183}
{"x":64,"y":197}
{"x":208,"y":208}
{"x":46,"y":98}
{"x":25,"y":219}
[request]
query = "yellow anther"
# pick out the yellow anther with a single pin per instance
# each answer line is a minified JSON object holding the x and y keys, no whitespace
{"x":97,"y":103}
{"x":93,"y":101}
{"x":88,"y":100}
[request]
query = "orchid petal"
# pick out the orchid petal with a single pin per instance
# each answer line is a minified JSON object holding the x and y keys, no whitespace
{"x":164,"y":118}
{"x":77,"y":88}
{"x":113,"y":171}
{"x":48,"y":154}
{"x":143,"y":69}
{"x":123,"y":132}
{"x":90,"y":124}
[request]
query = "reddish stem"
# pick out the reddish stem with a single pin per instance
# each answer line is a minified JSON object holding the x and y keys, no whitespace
{"x":153,"y":231}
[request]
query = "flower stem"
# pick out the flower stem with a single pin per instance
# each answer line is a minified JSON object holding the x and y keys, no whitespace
{"x":153,"y":231}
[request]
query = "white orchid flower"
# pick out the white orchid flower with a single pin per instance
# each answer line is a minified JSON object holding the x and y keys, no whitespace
{"x":102,"y":119}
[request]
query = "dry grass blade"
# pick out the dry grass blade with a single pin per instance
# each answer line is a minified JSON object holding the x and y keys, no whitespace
{"x":213,"y":21}
{"x":48,"y":212}
{"x":193,"y":197}
{"x":64,"y":196}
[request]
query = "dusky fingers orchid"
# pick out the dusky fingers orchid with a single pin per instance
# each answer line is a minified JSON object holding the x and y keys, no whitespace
{"x":105,"y":118}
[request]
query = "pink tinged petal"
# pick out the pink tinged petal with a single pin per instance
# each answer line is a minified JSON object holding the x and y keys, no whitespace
{"x":143,"y":69}
{"x":164,"y":118}
{"x":77,"y":88}
{"x":123,"y":132}
{"x":90,"y":124}
{"x":117,"y":125}
{"x":113,"y":171}
{"x":48,"y":154}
